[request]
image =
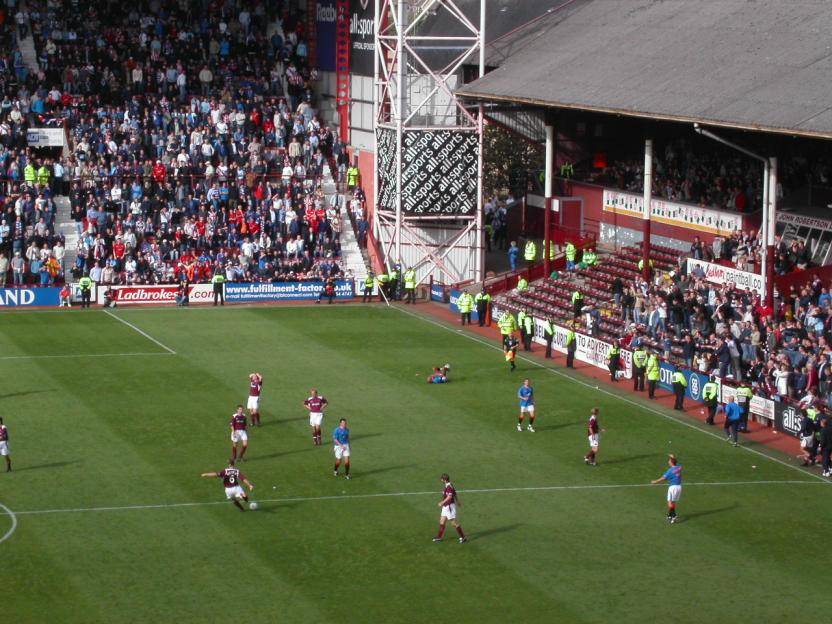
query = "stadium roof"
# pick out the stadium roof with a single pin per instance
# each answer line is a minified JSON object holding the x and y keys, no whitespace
{"x":751,"y":64}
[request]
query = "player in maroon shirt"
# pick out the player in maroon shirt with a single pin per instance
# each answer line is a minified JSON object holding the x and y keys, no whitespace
{"x":238,"y":434}
{"x":594,"y":431}
{"x":448,"y":505}
{"x":255,"y":385}
{"x":316,"y":403}
{"x":4,"y":445}
{"x":232,"y":478}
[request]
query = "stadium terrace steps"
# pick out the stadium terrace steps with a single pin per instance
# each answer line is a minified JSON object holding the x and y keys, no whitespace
{"x":66,"y":226}
{"x":352,"y":260}
{"x":26,"y":45}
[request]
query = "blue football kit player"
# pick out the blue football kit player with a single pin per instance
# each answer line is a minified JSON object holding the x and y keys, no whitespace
{"x":673,"y":476}
{"x":526,"y":396}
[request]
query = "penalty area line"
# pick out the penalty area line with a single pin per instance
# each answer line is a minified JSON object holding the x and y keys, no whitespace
{"x":143,"y":333}
{"x":13,"y":528}
{"x":313,"y":499}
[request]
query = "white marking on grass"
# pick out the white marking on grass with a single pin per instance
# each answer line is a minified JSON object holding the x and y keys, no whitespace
{"x":612,"y":394}
{"x":313,"y":499}
{"x":11,"y":515}
{"x":76,"y":355}
{"x":143,"y":333}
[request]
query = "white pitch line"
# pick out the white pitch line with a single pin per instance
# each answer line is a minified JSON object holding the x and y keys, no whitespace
{"x":76,"y":355}
{"x":14,"y":523}
{"x":312,"y":499}
{"x":143,"y":333}
{"x":609,"y":393}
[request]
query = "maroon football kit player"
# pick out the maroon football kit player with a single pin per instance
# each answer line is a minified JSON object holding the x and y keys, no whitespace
{"x":239,"y":435}
{"x":232,"y":480}
{"x":4,"y":446}
{"x":255,"y":386}
{"x":316,"y":403}
{"x":593,"y":431}
{"x":448,"y":506}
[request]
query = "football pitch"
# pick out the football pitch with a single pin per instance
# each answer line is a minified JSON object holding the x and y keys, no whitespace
{"x":113,"y":416}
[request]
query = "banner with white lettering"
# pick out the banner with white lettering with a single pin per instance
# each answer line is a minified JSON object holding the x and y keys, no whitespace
{"x":284,"y":291}
{"x":787,"y":418}
{"x":27,"y":297}
{"x":718,"y":274}
{"x":762,"y":407}
{"x":155,"y":294}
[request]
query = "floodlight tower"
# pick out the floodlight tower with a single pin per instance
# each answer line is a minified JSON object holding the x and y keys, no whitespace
{"x":428,"y":170}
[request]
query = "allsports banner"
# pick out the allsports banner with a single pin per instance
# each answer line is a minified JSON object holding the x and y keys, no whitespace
{"x":29,"y":297}
{"x":718,"y":274}
{"x":787,"y":418}
{"x":284,"y":291}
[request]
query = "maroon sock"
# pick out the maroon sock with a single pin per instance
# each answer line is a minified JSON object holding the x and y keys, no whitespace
{"x":459,"y":530}
{"x":441,"y":531}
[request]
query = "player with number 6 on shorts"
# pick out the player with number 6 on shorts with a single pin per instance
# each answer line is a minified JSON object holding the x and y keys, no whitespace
{"x":315,"y":403}
{"x":232,"y":478}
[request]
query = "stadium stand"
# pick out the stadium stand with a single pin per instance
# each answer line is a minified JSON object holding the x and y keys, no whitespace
{"x":194,"y":145}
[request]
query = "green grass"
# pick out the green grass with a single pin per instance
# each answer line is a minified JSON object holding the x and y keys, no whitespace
{"x":135,"y":430}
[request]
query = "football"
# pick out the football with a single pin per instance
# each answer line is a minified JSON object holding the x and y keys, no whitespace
{"x":252,"y":505}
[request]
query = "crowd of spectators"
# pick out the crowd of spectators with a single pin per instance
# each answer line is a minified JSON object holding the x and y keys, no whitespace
{"x":195,"y":144}
{"x":744,"y":251}
{"x":785,"y":352}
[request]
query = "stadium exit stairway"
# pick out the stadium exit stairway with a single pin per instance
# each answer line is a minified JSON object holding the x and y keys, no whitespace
{"x":65,"y":226}
{"x":26,"y":45}
{"x":352,"y":259}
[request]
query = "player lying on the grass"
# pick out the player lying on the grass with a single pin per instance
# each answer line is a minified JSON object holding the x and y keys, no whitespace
{"x":239,"y":436}
{"x":255,"y":386}
{"x":673,"y":476}
{"x":439,"y":374}
{"x":448,"y":505}
{"x":232,"y":478}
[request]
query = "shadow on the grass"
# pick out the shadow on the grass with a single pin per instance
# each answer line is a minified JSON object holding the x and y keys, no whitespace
{"x":707,"y":512}
{"x":367,"y":473}
{"x":490,"y":532}
{"x":558,"y":426}
{"x":22,"y":393}
{"x":280,"y":454}
{"x":59,"y":464}
{"x":630,"y":458}
{"x":269,"y":423}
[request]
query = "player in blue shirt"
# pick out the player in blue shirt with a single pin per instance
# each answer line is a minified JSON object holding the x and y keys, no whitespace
{"x":341,"y":441}
{"x":673,"y":476}
{"x":526,"y":396}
